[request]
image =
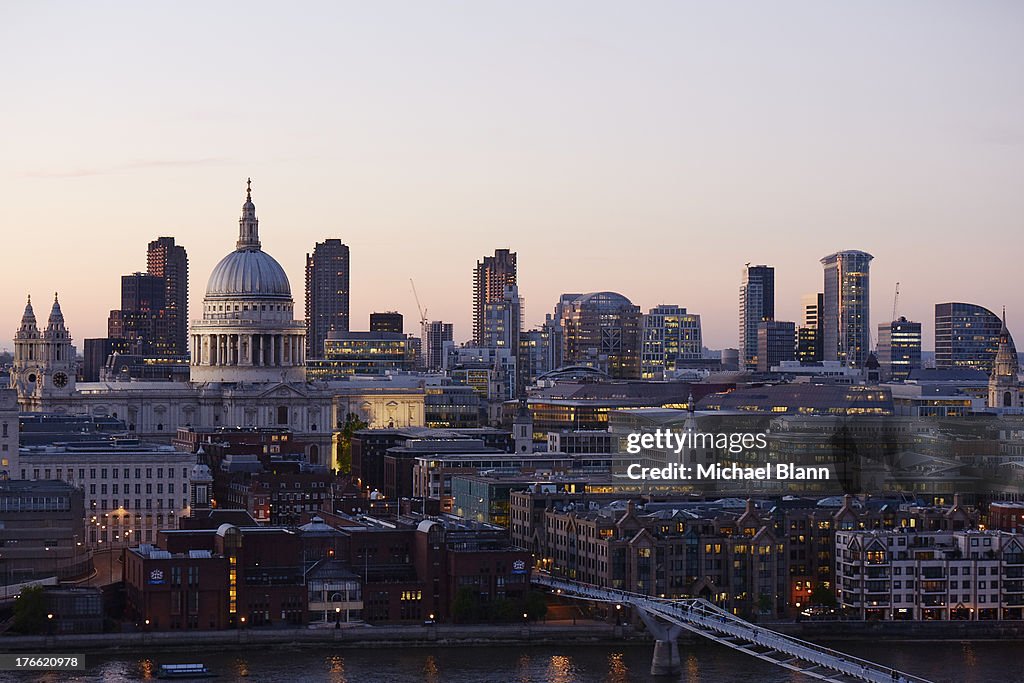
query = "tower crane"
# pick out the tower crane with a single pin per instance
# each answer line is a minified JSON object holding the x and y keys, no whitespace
{"x":423,"y":312}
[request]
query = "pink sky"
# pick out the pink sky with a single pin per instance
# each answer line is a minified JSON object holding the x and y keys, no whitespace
{"x":648,"y":150}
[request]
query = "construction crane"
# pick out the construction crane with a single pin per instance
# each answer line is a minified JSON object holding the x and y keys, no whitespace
{"x":423,"y":313}
{"x":895,"y":301}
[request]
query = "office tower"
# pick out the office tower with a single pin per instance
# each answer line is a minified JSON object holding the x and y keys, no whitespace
{"x":966,"y":336}
{"x":142,"y":319}
{"x":776,"y":342}
{"x":95,"y":355}
{"x":387,"y":322}
{"x":845,"y":312}
{"x":167,"y":260}
{"x":671,"y":337}
{"x":437,"y":337}
{"x":899,"y":349}
{"x":757,"y":303}
{"x":502,"y":321}
{"x":600,"y":330}
{"x":490,"y":278}
{"x":808,"y":334}
{"x":536,"y":354}
{"x":327,"y":281}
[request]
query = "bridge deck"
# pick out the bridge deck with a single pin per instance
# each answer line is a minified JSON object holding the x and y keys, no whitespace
{"x":705,"y":619}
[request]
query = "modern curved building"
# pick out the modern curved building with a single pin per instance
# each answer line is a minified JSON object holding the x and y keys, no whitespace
{"x":966,"y":336}
{"x":601,"y":330}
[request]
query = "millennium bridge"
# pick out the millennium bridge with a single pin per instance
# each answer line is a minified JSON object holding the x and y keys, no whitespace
{"x":666,"y":619}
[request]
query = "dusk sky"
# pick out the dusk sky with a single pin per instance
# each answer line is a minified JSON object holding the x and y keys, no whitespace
{"x":646,"y":148}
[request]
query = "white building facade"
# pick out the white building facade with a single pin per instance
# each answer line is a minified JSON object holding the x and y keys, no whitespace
{"x":933,"y":575}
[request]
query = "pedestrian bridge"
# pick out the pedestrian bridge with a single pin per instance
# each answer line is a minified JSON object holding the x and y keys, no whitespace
{"x":666,"y":619}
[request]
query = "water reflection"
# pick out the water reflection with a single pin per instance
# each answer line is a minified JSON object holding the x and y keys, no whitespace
{"x":336,"y":669}
{"x":241,"y":667}
{"x":523,"y":668}
{"x":618,"y":672}
{"x":692,"y":668}
{"x":560,"y":670}
{"x":431,"y":671}
{"x":146,"y":666}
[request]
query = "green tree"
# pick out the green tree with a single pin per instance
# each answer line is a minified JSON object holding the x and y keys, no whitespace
{"x":464,"y":607}
{"x":536,"y":605}
{"x":503,"y":610}
{"x":765,"y":603}
{"x":346,"y":430}
{"x":30,"y":611}
{"x":823,"y":596}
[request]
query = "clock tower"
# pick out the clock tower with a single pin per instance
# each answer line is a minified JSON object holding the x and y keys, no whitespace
{"x":44,"y":362}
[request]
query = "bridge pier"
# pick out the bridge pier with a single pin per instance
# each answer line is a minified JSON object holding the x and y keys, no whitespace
{"x":665,"y":661}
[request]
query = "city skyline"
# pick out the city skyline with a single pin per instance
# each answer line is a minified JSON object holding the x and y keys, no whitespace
{"x":463,"y":330}
{"x":650,"y":154}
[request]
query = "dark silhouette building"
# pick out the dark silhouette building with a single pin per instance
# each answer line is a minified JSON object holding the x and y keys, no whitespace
{"x":387,"y":322}
{"x":327,"y":290}
{"x":757,"y":304}
{"x":167,"y":260}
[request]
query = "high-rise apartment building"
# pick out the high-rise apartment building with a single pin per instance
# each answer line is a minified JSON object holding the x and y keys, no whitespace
{"x":327,"y":290}
{"x":757,"y":304}
{"x":845,"y":312}
{"x":966,"y":336}
{"x":169,"y":261}
{"x":671,"y":337}
{"x":490,"y":278}
{"x":899,"y":349}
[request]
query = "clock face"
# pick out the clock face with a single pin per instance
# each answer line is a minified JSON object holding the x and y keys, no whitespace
{"x":60,"y":379}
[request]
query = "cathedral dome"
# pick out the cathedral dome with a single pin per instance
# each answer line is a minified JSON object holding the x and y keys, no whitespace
{"x":249,"y":274}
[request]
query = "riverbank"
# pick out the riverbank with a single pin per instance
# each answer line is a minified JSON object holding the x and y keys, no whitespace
{"x":901,"y":630}
{"x":450,"y":635}
{"x":435,"y":635}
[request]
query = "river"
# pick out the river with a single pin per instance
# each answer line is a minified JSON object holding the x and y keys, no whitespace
{"x":962,"y":662}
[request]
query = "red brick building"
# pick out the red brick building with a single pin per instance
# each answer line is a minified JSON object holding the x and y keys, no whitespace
{"x":214,"y":579}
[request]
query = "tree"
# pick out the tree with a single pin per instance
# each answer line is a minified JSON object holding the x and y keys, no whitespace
{"x":347,"y":430}
{"x":503,"y":610}
{"x":536,"y":605}
{"x":30,"y":611}
{"x":464,"y":607}
{"x":765,"y":603}
{"x":823,"y":596}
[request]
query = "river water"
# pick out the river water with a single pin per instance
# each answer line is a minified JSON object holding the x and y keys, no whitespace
{"x":615,"y":663}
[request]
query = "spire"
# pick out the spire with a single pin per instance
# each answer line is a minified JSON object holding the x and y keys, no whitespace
{"x":56,"y":321}
{"x":28,"y":320}
{"x":248,"y":224}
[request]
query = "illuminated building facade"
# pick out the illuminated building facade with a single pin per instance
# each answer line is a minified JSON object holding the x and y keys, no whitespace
{"x":671,"y":337}
{"x":966,"y":336}
{"x":845,"y":312}
{"x":899,"y":349}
